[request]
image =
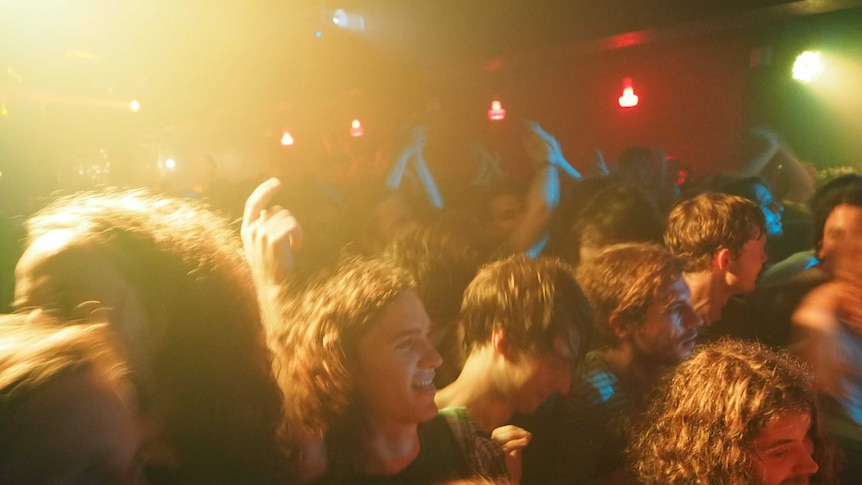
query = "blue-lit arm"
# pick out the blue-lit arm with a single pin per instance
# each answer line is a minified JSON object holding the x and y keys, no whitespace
{"x":542,"y":199}
{"x":427,"y":180}
{"x":542,"y":147}
{"x":396,"y":173}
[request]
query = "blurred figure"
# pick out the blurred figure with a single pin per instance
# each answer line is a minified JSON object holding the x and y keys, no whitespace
{"x":504,"y":210}
{"x":735,"y":413}
{"x":620,"y":213}
{"x":756,"y":190}
{"x":828,"y":336}
{"x":443,"y":256}
{"x":68,"y":412}
{"x":169,"y":278}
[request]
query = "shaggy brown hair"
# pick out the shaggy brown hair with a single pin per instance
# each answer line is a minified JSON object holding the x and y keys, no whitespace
{"x":701,"y":427}
{"x":533,"y":301}
{"x":211,"y":369}
{"x":624,"y":279}
{"x":699,"y":227}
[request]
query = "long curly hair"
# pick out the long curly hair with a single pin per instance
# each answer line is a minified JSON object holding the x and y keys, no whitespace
{"x":320,"y":337}
{"x":211,"y":367}
{"x":702,"y":423}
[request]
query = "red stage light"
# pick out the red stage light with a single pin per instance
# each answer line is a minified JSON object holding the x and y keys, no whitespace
{"x":496,"y":113}
{"x":356,"y":129}
{"x":629,"y":99}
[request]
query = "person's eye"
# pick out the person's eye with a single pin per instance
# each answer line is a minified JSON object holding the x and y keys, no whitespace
{"x":777,"y":453}
{"x":405,"y":344}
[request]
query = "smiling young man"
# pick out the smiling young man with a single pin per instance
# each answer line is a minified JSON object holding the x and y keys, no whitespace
{"x":645,"y":325}
{"x":721,"y":240}
{"x":749,"y":416}
{"x":358,"y":372}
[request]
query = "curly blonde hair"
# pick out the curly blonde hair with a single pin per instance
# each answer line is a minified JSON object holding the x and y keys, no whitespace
{"x":701,"y":426}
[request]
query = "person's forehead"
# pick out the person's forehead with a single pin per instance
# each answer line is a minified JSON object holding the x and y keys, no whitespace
{"x":845,"y":215}
{"x":674,"y":292}
{"x":403,"y":315}
{"x":783,"y":427}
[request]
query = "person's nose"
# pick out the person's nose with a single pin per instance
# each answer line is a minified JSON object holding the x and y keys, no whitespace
{"x":690,"y":318}
{"x":805,"y":464}
{"x":431,"y":359}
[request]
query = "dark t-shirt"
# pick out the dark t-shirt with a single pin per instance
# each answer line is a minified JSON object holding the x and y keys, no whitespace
{"x":765,"y":315}
{"x":440,"y":459}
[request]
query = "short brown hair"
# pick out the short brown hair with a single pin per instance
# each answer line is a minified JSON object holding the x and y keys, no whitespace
{"x":533,"y":301}
{"x":624,"y":279}
{"x":700,"y":226}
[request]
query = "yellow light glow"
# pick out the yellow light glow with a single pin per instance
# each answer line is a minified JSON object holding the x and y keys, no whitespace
{"x":808,"y":66}
{"x":134,"y":106}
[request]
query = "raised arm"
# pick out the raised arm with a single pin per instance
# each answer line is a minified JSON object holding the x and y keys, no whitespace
{"x":543,"y":195}
{"x":269,"y":237}
{"x":427,"y":180}
{"x":408,"y":151}
{"x":543,"y":148}
{"x":601,"y":167}
{"x":756,"y":165}
{"x":801,"y":182}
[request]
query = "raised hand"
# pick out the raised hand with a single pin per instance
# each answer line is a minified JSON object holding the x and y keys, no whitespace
{"x":543,"y":148}
{"x":269,"y":236}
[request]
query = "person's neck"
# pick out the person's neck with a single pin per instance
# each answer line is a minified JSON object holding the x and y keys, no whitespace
{"x":476,"y":390}
{"x":387,"y":448}
{"x":636,"y":373}
{"x":708,"y":295}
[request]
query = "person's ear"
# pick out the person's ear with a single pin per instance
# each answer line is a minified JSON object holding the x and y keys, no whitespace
{"x":721,"y":259}
{"x":620,"y":325}
{"x":501,"y":342}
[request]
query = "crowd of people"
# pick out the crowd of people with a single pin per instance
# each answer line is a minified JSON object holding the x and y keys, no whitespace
{"x":615,"y":328}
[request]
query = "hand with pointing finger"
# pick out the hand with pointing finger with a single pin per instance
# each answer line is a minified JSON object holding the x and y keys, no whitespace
{"x":269,"y":237}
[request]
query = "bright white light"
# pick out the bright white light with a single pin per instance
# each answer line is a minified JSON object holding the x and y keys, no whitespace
{"x":339,"y":18}
{"x":350,"y":21}
{"x":807,"y":66}
{"x":287,"y":139}
{"x":134,"y":106}
{"x":170,"y":164}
